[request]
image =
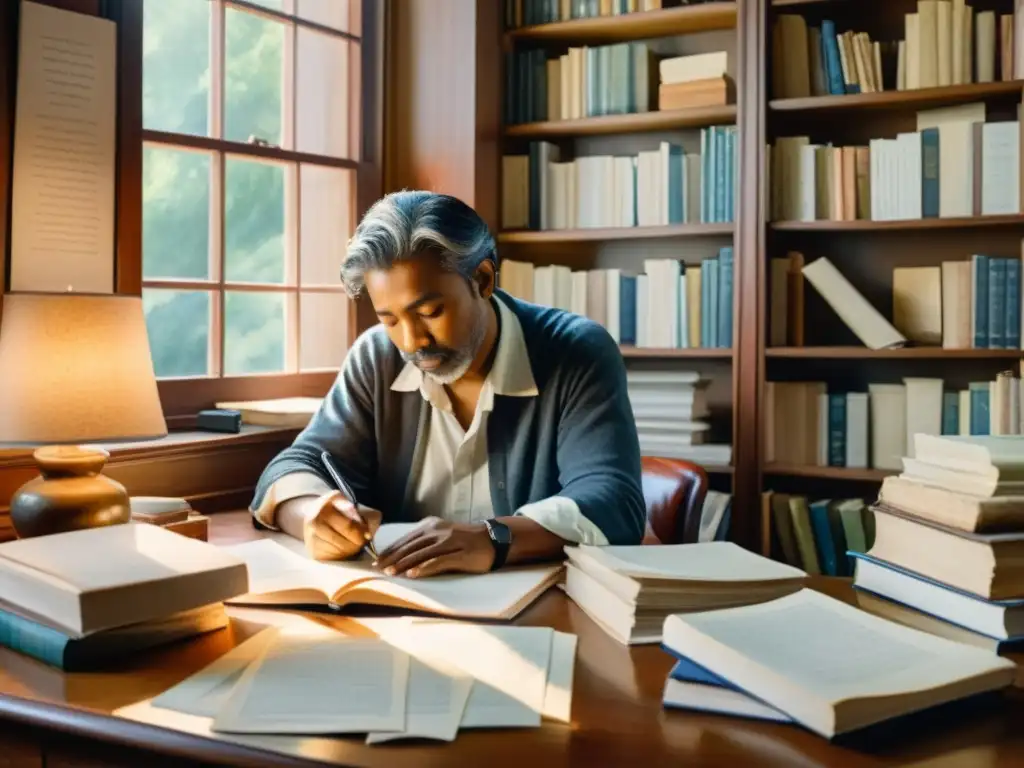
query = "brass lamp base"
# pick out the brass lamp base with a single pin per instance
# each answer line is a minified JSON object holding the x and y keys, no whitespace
{"x":70,"y":494}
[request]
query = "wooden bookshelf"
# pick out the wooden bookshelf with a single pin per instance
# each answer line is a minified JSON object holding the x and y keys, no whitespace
{"x":691,"y":353}
{"x":865,"y":252}
{"x":904,"y":353}
{"x":862,"y":225}
{"x":644,"y":122}
{"x":912,"y":100}
{"x":627,"y":27}
{"x":616,"y":233}
{"x":829,"y":473}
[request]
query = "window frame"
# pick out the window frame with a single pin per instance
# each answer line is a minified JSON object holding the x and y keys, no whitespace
{"x":182,"y":398}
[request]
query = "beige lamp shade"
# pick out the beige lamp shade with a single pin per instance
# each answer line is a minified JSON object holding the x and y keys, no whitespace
{"x":76,"y":368}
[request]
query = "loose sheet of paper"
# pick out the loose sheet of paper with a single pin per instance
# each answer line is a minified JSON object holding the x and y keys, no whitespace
{"x":509,"y":667}
{"x":205,"y":692}
{"x":62,"y":207}
{"x":319,"y":683}
{"x":434,"y":702}
{"x":561,"y":668}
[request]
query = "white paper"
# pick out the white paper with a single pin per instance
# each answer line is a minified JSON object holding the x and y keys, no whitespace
{"x":62,"y":209}
{"x":561,"y":668}
{"x":434,"y":702}
{"x":319,"y":683}
{"x":204,"y":693}
{"x":509,"y":667}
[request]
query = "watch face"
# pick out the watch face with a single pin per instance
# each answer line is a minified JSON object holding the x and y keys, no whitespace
{"x":500,"y":533}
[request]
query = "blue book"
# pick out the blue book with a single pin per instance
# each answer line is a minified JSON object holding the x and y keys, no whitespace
{"x":1011,"y":337}
{"x":951,"y":413}
{"x":824,"y":540}
{"x":1000,"y":620}
{"x":691,"y":687}
{"x":996,"y":303}
{"x":979,"y":399}
{"x":837,"y":429}
{"x":979,"y":269}
{"x":833,"y":63}
{"x":725,"y":298}
{"x":930,"y":173}
{"x":627,"y":310}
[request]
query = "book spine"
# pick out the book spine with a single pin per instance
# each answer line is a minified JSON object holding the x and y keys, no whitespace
{"x":725,"y":292}
{"x":836,"y":85}
{"x":930,"y":173}
{"x":836,"y":429}
{"x":40,"y":642}
{"x":979,"y":266}
{"x":1011,"y":336}
{"x":950,"y":413}
{"x":996,"y":303}
{"x":979,"y":394}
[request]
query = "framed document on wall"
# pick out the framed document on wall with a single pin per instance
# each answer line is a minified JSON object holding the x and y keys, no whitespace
{"x":64,"y":165}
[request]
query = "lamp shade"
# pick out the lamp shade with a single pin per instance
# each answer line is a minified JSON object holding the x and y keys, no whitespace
{"x":76,"y":368}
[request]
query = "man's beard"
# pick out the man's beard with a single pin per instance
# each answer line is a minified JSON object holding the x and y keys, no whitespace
{"x":452,"y":362}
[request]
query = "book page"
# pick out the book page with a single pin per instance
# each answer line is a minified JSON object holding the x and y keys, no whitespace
{"x":708,"y":561}
{"x":434,"y":702}
{"x":319,"y":683}
{"x":62,"y":204}
{"x":826,"y":649}
{"x":275,"y":566}
{"x":499,"y":594}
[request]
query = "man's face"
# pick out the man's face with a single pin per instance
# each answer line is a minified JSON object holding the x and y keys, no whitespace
{"x":437,"y":319}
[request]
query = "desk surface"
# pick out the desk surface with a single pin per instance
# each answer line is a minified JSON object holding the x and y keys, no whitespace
{"x":617,"y":718}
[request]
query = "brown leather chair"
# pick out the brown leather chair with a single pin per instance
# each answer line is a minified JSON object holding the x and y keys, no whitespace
{"x":674,"y":491}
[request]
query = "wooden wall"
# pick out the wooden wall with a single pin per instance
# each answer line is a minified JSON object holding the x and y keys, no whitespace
{"x":443,"y":118}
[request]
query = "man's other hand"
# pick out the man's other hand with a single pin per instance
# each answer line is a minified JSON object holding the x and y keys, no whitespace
{"x":335,"y":529}
{"x":439,"y":546}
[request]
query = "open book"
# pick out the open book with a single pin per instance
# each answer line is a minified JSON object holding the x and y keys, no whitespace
{"x":281,"y":574}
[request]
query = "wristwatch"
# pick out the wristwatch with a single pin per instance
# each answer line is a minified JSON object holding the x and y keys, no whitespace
{"x":501,"y":540}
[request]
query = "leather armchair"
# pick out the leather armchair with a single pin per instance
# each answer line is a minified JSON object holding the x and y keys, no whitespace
{"x":674,"y":491}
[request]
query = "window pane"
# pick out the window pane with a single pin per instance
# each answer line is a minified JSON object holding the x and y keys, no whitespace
{"x":176,"y":66}
{"x":274,"y":5}
{"x":253,"y":333}
{"x":322,"y":94}
{"x":323,"y":330}
{"x":175,"y":213}
{"x":337,"y":14}
{"x":178,"y":323}
{"x":326,"y":197}
{"x":254,"y":208}
{"x":253,"y":58}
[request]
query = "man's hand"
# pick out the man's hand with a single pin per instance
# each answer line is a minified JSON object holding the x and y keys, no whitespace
{"x":439,"y":546}
{"x":335,"y":530}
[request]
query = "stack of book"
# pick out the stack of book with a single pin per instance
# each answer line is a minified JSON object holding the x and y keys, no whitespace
{"x":812,"y":660}
{"x":80,"y":600}
{"x":629,"y":590}
{"x":701,"y":80}
{"x":949,"y":536}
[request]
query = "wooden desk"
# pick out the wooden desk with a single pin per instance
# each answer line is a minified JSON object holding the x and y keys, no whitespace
{"x":60,"y":720}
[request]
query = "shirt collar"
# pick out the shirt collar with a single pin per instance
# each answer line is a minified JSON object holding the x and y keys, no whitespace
{"x":510,"y":375}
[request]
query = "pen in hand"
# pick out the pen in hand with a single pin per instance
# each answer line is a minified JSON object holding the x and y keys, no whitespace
{"x":346,"y":489}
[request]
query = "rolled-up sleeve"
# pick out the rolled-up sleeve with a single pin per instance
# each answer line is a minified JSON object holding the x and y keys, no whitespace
{"x":285,"y":488}
{"x":562,"y":517}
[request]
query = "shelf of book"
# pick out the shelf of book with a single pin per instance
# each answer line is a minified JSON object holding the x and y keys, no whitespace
{"x":913,"y":99}
{"x":624,"y":27}
{"x":829,"y":473}
{"x":643,"y":122}
{"x":614,"y":233}
{"x":902,"y":353}
{"x":695,"y":353}
{"x":868,"y":225}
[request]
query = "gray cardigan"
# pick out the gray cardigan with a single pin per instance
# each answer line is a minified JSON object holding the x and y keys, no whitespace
{"x":576,"y":438}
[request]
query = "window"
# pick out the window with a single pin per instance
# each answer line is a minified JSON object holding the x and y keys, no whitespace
{"x":251,"y":143}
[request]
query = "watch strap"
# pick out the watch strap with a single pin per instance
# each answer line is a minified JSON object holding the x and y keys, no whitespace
{"x":501,"y":547}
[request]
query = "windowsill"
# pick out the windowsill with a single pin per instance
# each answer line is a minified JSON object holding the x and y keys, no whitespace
{"x":177,"y":442}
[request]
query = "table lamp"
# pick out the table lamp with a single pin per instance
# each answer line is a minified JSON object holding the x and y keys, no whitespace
{"x":75,"y":368}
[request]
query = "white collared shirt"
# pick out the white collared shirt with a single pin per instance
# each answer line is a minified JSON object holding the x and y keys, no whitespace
{"x":453,"y":480}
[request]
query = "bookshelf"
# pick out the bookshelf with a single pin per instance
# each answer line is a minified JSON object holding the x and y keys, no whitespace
{"x":868,"y":252}
{"x":865,"y":251}
{"x":695,"y":232}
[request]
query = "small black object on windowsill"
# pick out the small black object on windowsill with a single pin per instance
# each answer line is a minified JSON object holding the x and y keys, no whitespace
{"x":219,"y":420}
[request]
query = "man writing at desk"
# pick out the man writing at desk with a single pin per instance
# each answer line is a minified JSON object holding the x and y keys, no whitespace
{"x":504,"y":426}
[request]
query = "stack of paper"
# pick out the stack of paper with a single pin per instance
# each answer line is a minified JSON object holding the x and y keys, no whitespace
{"x":826,"y":665}
{"x":628,"y":591}
{"x":405,"y":678}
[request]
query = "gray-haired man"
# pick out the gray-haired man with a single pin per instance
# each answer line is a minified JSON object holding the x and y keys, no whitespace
{"x":501,"y":425}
